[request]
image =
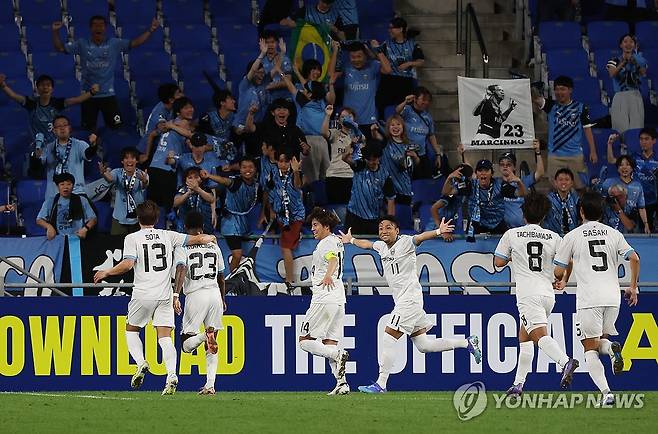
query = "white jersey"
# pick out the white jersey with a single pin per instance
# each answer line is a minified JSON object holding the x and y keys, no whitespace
{"x":153,"y":253}
{"x":328,"y":247}
{"x":203,"y":263}
{"x":531,"y":249}
{"x":400,"y":271}
{"x":595,"y":249}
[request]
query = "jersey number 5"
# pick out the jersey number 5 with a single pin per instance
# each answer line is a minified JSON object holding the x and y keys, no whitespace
{"x":595,"y":254}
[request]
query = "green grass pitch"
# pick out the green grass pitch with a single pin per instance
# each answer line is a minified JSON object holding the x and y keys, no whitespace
{"x":308,"y":412}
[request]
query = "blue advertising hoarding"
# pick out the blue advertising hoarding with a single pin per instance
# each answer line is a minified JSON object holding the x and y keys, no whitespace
{"x":78,"y":344}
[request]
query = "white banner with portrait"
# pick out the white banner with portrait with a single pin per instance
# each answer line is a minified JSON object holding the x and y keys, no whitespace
{"x":495,"y":113}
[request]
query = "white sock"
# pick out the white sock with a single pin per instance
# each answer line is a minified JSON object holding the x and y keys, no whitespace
{"x":425,"y":344}
{"x":524,"y":365}
{"x":193,"y":342}
{"x":596,"y":371}
{"x":211,"y":369}
{"x":605,"y":348}
{"x":135,"y":347}
{"x":334,"y":367}
{"x":317,"y":348}
{"x":388,"y":359}
{"x":168,"y":355}
{"x":550,"y":346}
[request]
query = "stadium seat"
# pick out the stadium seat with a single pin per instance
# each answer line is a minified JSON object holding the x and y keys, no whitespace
{"x":586,"y":90}
{"x":146,"y":90}
{"x":54,"y":64}
{"x":67,"y":87}
{"x":82,"y":10}
{"x":9,"y":38}
{"x":597,"y":111}
{"x":21,"y":86}
{"x":29,"y":191}
{"x":427,"y":191}
{"x":573,"y":63}
{"x":253,"y":217}
{"x":560,"y":35}
{"x":104,"y":216}
{"x":13,"y":65}
{"x":150,"y":64}
{"x":191,"y":64}
{"x":135,"y":11}
{"x":39,"y":38}
{"x":29,"y":214}
{"x":601,"y":58}
{"x":601,"y":141}
{"x":425,"y":215}
{"x":49,"y":12}
{"x":184,"y":11}
{"x":647,"y":34}
{"x":605,"y":34}
{"x":238,"y":11}
{"x":371,"y":11}
{"x":318,"y":188}
{"x":200,"y":92}
{"x":226,"y":31}
{"x":155,"y":42}
{"x":188,"y":37}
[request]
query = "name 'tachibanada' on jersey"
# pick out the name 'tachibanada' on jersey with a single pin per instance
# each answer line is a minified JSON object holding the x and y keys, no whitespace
{"x":153,"y":252}
{"x":531,"y":249}
{"x":400,"y":271}
{"x":595,"y":249}
{"x":203,"y":263}
{"x":328,"y":247}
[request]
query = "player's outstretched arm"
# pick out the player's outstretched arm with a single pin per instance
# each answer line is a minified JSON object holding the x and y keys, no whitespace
{"x":444,"y":227}
{"x":122,"y":267}
{"x":193,"y":240}
{"x":349,"y":239}
{"x":631,"y":292}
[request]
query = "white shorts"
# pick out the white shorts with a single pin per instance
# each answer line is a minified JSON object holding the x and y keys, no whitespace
{"x":140,"y":312}
{"x":594,"y":322}
{"x":324,"y":321}
{"x":534,"y":311}
{"x":409,"y":319}
{"x":203,"y":307}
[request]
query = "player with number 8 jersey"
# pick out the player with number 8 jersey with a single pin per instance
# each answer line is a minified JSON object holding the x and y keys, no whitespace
{"x":531,"y":250}
{"x":595,"y":250}
{"x":149,"y":253}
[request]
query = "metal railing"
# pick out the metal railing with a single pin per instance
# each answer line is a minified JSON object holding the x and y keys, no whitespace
{"x":468,"y":18}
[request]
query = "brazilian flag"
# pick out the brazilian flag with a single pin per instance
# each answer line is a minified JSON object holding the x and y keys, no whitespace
{"x":310,"y":41}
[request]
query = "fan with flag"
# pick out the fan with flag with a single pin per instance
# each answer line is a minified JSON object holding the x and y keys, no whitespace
{"x":310,"y":41}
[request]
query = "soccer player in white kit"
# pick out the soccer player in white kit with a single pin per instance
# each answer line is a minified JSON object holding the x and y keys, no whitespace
{"x":531,"y":250}
{"x":149,"y":252}
{"x":398,"y":254}
{"x":322,"y":328}
{"x":595,"y":249}
{"x":200,"y":274}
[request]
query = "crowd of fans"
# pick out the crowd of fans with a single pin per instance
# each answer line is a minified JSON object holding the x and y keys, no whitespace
{"x":287,"y":129}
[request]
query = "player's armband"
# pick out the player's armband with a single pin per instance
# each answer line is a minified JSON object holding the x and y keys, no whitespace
{"x":330,"y":255}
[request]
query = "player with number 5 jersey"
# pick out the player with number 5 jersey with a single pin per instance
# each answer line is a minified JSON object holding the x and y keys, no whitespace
{"x":595,"y":250}
{"x":149,"y":253}
{"x":322,"y":328}
{"x":398,"y":255}
{"x":531,"y":250}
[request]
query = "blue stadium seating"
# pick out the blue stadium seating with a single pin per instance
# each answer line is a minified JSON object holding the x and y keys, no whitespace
{"x":586,"y":90}
{"x":191,"y":64}
{"x":190,"y":37}
{"x":52,"y":63}
{"x":560,"y":35}
{"x":601,"y":58}
{"x":49,"y":11}
{"x":200,"y":92}
{"x":573,"y":63}
{"x":155,"y":42}
{"x":404,"y":215}
{"x":632,"y":140}
{"x":29,"y":213}
{"x":39,"y":37}
{"x":115,"y":140}
{"x":104,"y":216}
{"x":9,"y":38}
{"x":13,"y":65}
{"x":135,"y":11}
{"x":647,"y":34}
{"x":146,"y":90}
{"x":601,"y":142}
{"x":82,"y":10}
{"x":150,"y":64}
{"x":20,"y":85}
{"x":183,"y":11}
{"x":248,"y":35}
{"x":30,"y":191}
{"x":67,"y":87}
{"x":597,"y":111}
{"x":238,"y":11}
{"x":374,"y":10}
{"x":425,"y":215}
{"x":427,"y":191}
{"x":606,"y":34}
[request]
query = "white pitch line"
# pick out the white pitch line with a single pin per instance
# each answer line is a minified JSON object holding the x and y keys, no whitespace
{"x":58,"y":395}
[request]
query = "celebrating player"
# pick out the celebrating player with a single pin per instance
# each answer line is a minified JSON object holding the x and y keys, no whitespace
{"x":325,"y":317}
{"x":531,"y":250}
{"x":148,"y":252}
{"x":398,"y":253}
{"x":202,"y":269}
{"x":595,"y":249}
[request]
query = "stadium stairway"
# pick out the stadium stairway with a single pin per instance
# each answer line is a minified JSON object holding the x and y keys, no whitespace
{"x":436,"y":21}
